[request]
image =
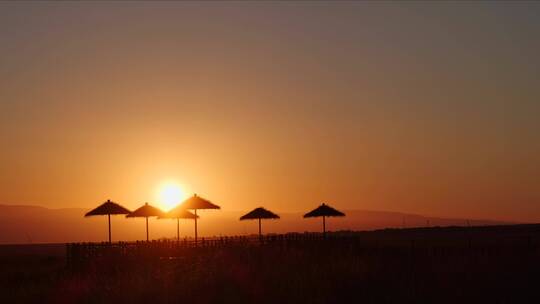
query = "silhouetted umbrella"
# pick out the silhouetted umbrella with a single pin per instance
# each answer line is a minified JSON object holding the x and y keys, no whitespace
{"x":195,"y":203}
{"x":258,"y":214}
{"x":146,"y":211}
{"x":178,"y":213}
{"x":324,"y":211}
{"x":107,"y":209}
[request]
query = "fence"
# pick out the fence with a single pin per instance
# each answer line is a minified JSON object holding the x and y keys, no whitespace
{"x":409,"y":242}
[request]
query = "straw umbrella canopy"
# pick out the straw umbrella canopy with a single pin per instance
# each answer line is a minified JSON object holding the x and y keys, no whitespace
{"x":259,"y":214}
{"x":178,"y":213}
{"x":107,"y":209}
{"x":146,"y":211}
{"x":324,"y":211}
{"x":196,"y":203}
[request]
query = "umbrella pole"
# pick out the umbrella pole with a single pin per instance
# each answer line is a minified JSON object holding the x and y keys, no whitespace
{"x":178,"y":229}
{"x":260,"y":235}
{"x":324,"y":225}
{"x":146,"y":228}
{"x":195,"y":226}
{"x":109,"y":216}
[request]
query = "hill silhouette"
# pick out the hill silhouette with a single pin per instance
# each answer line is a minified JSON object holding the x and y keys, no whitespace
{"x":33,"y":224}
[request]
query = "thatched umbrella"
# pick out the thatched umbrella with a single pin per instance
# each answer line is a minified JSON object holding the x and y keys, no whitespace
{"x":195,"y":203}
{"x":146,"y":211}
{"x":178,"y":213}
{"x":107,"y":209}
{"x":258,"y":214}
{"x":324,"y":211}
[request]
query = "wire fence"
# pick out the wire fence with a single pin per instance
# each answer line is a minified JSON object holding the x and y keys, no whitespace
{"x":386,"y":243}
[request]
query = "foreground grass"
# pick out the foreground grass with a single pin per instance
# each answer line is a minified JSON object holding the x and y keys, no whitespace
{"x":317,"y":272}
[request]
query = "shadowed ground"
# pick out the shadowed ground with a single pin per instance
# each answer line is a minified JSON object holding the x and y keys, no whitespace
{"x":443,"y":265}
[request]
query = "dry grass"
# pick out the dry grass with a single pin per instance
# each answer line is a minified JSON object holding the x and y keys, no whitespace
{"x":381,"y":267}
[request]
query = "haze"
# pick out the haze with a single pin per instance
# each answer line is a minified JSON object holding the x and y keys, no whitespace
{"x":428,"y":108}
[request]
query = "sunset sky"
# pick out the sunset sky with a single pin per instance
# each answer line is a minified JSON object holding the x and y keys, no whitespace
{"x":429,"y":108}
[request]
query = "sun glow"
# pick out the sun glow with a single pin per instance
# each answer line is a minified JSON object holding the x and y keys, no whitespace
{"x":170,"y":194}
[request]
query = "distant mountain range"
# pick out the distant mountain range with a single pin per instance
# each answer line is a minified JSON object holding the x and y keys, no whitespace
{"x":33,"y":224}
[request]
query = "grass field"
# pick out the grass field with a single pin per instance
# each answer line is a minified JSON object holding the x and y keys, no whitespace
{"x":434,"y":265}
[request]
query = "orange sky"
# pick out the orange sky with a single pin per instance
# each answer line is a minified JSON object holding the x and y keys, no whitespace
{"x":423,"y":108}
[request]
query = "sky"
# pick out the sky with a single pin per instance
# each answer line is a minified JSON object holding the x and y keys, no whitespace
{"x":421,"y":107}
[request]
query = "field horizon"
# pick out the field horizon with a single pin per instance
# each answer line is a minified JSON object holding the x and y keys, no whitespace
{"x":22,"y":224}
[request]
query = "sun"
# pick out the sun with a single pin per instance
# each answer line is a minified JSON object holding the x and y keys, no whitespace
{"x":170,"y":194}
